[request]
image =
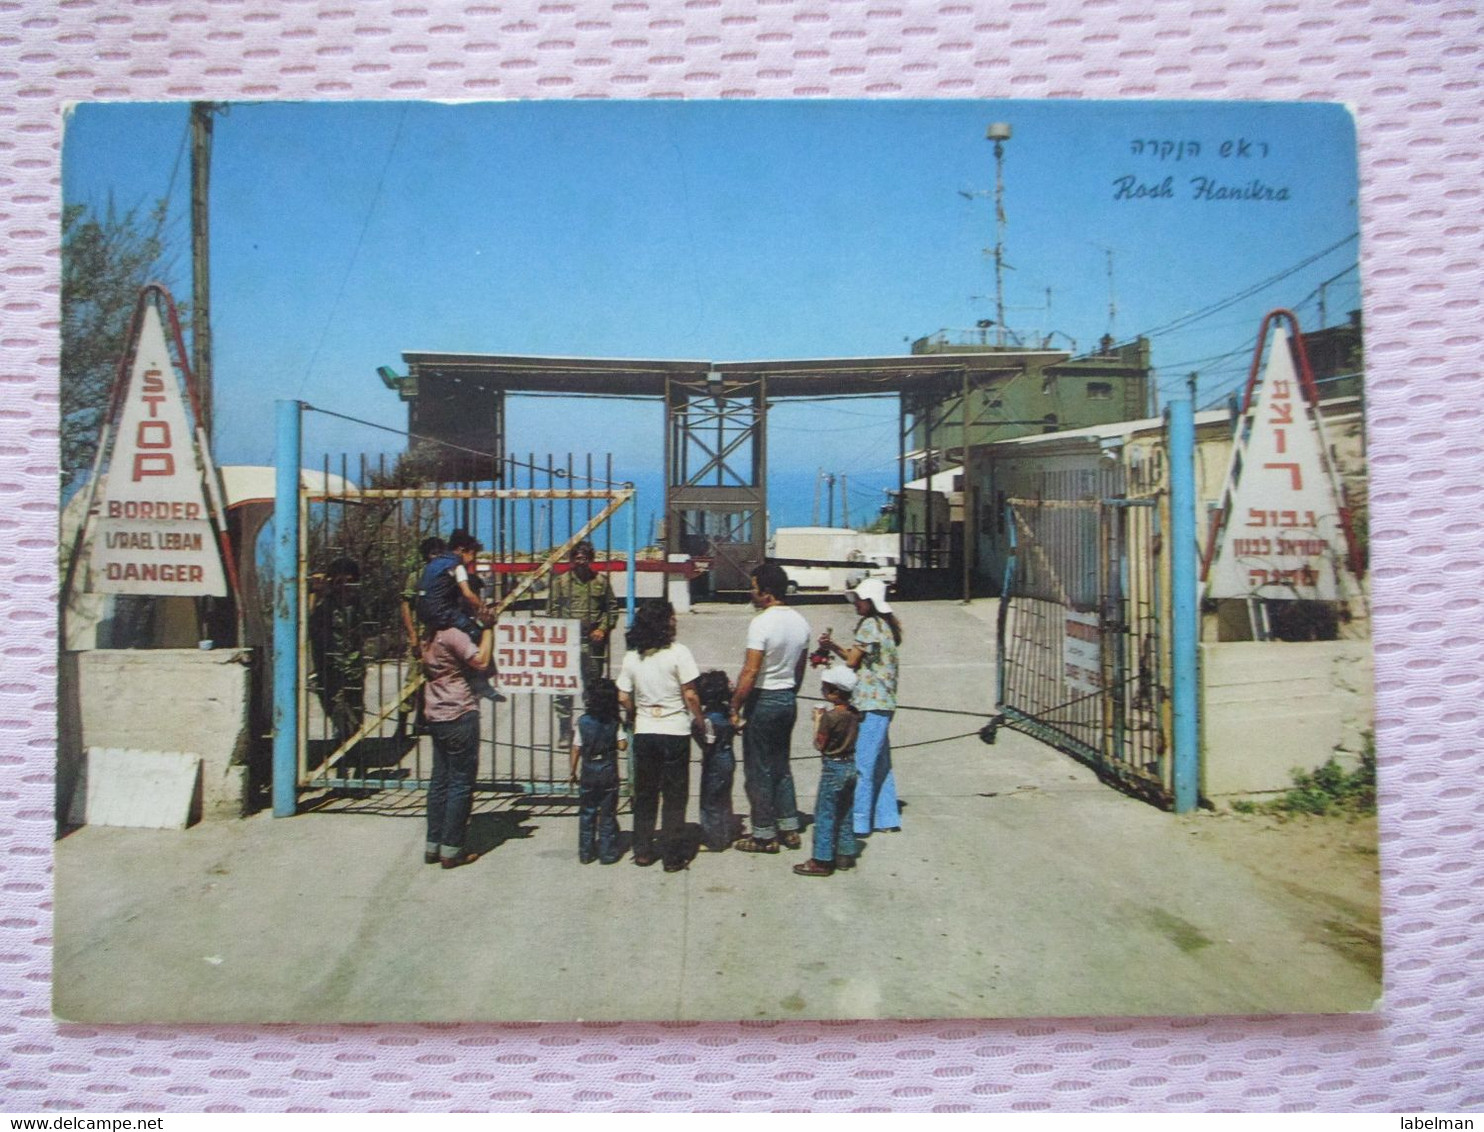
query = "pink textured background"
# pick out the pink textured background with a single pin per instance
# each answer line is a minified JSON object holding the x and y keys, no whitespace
{"x":1411,"y":72}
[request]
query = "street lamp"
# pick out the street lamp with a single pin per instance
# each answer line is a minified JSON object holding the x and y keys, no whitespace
{"x":999,"y":133}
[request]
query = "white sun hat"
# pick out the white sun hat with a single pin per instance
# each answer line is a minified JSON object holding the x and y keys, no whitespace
{"x":840,"y":676}
{"x":872,"y":590}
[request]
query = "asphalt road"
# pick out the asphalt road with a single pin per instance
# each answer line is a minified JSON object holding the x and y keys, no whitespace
{"x":1019,"y":887}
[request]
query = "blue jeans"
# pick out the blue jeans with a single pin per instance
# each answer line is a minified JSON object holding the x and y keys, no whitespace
{"x":718,"y":768}
{"x":833,"y":835}
{"x":451,"y":790}
{"x":769,"y":778}
{"x":597,"y":819}
{"x":876,"y":795}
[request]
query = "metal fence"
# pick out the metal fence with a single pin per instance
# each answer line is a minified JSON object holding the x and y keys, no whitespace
{"x":1081,"y":661}
{"x":360,"y":564}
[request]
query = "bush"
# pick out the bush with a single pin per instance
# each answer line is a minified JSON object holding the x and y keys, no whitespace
{"x":1329,"y":789}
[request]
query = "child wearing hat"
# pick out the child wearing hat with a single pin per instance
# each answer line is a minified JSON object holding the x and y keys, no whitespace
{"x":835,"y":729}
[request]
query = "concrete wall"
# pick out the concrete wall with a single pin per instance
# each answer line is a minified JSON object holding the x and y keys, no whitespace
{"x":1271,"y":707}
{"x":159,"y":700}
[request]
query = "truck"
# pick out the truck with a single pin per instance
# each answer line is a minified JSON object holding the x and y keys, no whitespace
{"x":832,"y":559}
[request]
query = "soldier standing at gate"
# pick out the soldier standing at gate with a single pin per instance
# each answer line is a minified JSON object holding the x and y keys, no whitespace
{"x":585,"y":595}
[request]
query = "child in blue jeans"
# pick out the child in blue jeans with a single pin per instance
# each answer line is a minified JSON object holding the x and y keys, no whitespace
{"x":718,"y":761}
{"x":597,"y":743}
{"x":835,"y":729}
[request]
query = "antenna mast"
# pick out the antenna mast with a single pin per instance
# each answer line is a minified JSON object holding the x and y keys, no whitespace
{"x":999,"y":133}
{"x":1112,"y":295}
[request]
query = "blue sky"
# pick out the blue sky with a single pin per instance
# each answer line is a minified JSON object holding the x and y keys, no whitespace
{"x":344,"y":233}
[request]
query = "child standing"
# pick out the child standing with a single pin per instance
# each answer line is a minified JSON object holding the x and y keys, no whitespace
{"x":718,"y":762}
{"x":596,"y":744}
{"x":835,"y":728}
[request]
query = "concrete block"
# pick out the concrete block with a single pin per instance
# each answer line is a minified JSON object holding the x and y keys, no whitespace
{"x":141,"y":789}
{"x":1269,"y":708}
{"x":164,"y":700}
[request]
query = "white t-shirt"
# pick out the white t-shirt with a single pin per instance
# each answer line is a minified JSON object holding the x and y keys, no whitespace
{"x":781,"y":634}
{"x":654,"y":681}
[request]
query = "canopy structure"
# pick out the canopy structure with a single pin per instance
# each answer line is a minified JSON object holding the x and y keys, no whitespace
{"x":715,"y":442}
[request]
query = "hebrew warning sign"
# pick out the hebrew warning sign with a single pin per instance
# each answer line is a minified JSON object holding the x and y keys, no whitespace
{"x":539,"y":657}
{"x":1282,"y":538}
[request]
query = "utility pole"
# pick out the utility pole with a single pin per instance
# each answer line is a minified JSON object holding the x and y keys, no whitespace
{"x":201,"y":113}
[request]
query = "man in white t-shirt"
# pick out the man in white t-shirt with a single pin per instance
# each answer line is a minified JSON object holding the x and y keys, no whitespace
{"x":777,"y":645}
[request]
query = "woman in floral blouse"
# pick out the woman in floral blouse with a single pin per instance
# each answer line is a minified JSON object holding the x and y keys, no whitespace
{"x":873,"y":656}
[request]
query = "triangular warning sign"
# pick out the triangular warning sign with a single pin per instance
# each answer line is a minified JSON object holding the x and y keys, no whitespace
{"x":1283,"y":537}
{"x":154,"y":535}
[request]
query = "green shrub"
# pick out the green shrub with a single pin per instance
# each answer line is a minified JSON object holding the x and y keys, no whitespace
{"x":1329,"y":789}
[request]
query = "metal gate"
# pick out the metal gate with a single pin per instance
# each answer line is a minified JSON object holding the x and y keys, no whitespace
{"x":359,"y":534}
{"x":1081,"y":663}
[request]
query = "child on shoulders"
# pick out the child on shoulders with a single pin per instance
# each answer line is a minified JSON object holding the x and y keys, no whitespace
{"x":448,"y":598}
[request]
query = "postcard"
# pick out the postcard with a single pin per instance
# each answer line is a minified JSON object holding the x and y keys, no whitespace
{"x":713,"y":561}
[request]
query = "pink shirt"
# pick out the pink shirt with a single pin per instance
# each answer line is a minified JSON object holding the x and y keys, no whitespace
{"x":446,"y":658}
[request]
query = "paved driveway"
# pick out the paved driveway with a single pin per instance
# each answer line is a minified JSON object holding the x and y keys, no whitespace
{"x":1019,"y":886}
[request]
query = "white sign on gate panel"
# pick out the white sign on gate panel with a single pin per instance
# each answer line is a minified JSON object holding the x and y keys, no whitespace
{"x":539,"y":656}
{"x":1282,"y":538}
{"x":154,"y":536}
{"x":1082,"y":653}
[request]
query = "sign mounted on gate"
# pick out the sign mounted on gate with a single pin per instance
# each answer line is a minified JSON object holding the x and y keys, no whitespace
{"x":1082,"y":653}
{"x":539,"y":657}
{"x":154,"y":534}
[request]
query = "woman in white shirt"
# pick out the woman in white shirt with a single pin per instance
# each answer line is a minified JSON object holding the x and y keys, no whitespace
{"x":657,"y":689}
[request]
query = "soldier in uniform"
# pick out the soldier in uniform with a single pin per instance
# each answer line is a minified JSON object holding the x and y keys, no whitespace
{"x":585,"y":595}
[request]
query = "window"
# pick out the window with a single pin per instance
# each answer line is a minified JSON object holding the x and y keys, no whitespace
{"x":1099,"y":391}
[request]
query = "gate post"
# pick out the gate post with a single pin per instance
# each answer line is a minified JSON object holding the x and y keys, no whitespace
{"x":287,"y":458}
{"x":1185,"y":614}
{"x":633,"y":566}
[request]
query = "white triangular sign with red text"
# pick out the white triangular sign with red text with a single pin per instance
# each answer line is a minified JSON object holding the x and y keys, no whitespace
{"x":154,"y":535}
{"x":1283,"y":538}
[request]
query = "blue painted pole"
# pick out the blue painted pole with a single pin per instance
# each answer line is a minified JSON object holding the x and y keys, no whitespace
{"x":633,"y":567}
{"x":1184,"y":571}
{"x":287,"y":457}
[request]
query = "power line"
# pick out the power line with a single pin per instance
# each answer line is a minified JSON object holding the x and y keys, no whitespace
{"x":170,"y":187}
{"x":1246,"y":293}
{"x":355,"y":253}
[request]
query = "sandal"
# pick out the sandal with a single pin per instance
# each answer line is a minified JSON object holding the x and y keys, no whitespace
{"x":789,"y":839}
{"x":813,"y":868}
{"x":753,"y":845}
